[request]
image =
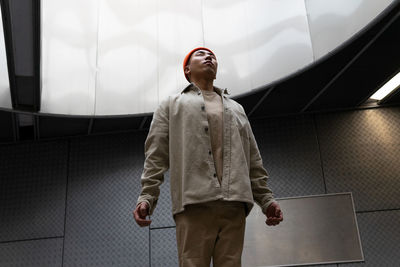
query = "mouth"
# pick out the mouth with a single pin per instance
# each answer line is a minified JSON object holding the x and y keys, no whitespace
{"x":209,"y":62}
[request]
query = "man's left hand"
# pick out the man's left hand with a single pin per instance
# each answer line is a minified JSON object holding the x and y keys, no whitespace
{"x":274,"y":214}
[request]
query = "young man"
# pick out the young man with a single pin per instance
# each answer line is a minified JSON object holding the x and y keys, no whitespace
{"x":216,"y":170}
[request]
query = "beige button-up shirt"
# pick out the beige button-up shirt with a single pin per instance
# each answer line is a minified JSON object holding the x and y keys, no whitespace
{"x":179,"y":139}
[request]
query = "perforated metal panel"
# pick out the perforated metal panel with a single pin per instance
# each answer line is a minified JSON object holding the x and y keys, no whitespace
{"x":289,"y":150}
{"x":103,"y":185}
{"x":380,"y":236}
{"x":163,"y":248}
{"x":32,"y":190}
{"x":360,"y":153}
{"x":33,"y":253}
{"x":162,"y":215}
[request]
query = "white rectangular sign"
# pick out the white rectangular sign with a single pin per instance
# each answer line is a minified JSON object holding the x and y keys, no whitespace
{"x":315,"y":230}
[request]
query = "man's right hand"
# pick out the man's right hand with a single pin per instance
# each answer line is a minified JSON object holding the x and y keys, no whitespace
{"x":140,"y":214}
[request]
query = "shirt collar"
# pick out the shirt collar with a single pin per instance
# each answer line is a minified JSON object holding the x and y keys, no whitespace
{"x":192,"y":86}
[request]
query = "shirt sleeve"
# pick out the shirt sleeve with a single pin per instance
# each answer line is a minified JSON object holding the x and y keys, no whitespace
{"x":262,"y":194}
{"x":156,"y":157}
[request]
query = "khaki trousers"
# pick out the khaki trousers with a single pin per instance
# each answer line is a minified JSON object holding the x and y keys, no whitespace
{"x":211,"y":230}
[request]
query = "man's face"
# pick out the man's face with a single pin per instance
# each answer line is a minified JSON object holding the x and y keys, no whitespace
{"x":202,"y":63}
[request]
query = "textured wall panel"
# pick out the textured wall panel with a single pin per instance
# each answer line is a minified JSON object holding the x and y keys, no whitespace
{"x":32,"y":190}
{"x":163,"y":248}
{"x":103,"y":187}
{"x":380,"y":236}
{"x":289,"y":150}
{"x":360,"y":153}
{"x":34,"y":253}
{"x":162,"y":215}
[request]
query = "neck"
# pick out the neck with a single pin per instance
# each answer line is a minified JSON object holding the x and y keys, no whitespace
{"x":204,"y":84}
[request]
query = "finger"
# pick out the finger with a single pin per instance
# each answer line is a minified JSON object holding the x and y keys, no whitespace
{"x":277,"y":211}
{"x":140,"y":221}
{"x":269,"y":211}
{"x":138,"y":213}
{"x":143,"y":210}
{"x":275,"y":220}
{"x":278,"y":217}
{"x":144,"y":223}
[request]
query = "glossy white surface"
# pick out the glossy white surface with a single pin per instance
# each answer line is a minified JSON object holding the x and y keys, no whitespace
{"x":5,"y":96}
{"x":279,"y":39}
{"x":69,"y":48}
{"x":226,"y":34}
{"x":179,"y":31}
{"x":110,"y":57}
{"x":333,"y":22}
{"x":127,"y":57}
{"x":256,"y":41}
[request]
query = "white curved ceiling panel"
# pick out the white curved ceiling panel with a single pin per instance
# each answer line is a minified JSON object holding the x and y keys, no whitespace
{"x":333,"y":22}
{"x":109,"y":57}
{"x":279,"y":39}
{"x":5,"y":96}
{"x":69,"y":49}
{"x":256,"y":41}
{"x":140,"y":52}
{"x":226,"y":33}
{"x":179,"y":31}
{"x":127,"y":57}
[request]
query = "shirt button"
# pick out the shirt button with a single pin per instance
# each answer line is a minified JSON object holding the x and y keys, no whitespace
{"x":202,"y":108}
{"x":206,"y":129}
{"x":199,"y":93}
{"x":215,"y":175}
{"x":209,"y":152}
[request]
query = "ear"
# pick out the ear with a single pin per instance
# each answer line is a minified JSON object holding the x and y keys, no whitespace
{"x":187,"y":70}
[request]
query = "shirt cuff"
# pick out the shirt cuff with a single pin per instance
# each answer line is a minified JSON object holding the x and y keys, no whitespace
{"x":146,"y":201}
{"x":265,"y":207}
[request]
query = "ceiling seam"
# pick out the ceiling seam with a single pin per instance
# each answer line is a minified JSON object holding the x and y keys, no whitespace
{"x":143,"y":122}
{"x":97,"y":58}
{"x":202,"y":21}
{"x":261,"y":100}
{"x":309,"y":31}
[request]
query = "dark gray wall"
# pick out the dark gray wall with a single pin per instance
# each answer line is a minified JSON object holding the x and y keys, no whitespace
{"x":69,"y":202}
